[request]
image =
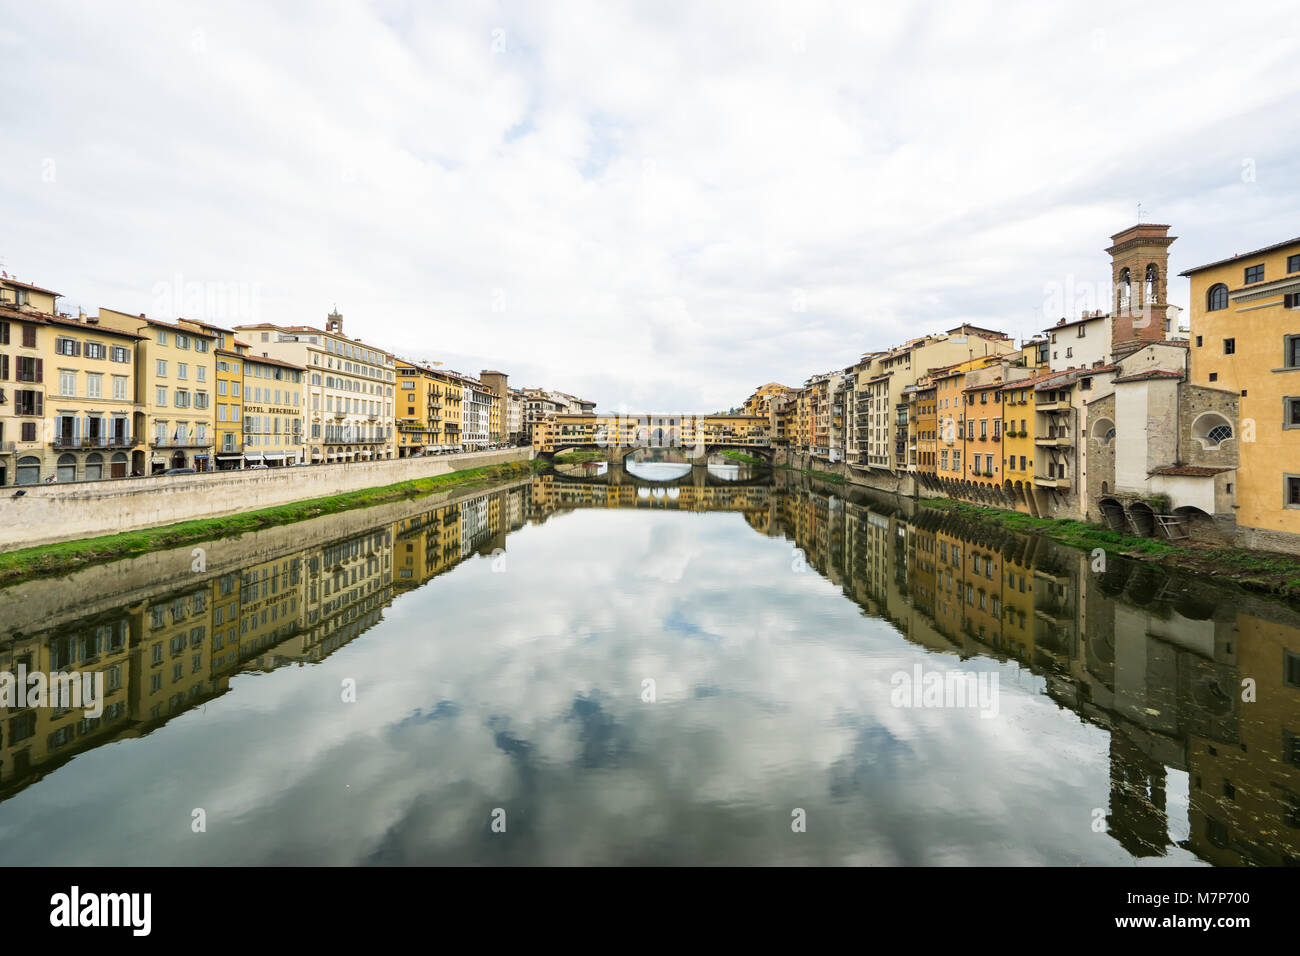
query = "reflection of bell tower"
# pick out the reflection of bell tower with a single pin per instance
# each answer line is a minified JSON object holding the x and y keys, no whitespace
{"x":1137,"y":818}
{"x":334,"y":322}
{"x":1139,"y":265}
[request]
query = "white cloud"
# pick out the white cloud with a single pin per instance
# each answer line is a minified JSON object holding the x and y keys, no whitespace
{"x":641,"y":188}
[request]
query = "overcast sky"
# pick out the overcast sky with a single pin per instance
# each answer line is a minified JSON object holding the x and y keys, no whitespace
{"x":652,"y":205}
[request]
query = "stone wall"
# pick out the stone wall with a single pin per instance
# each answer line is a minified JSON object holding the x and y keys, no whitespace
{"x":44,"y":514}
{"x":103,"y":587}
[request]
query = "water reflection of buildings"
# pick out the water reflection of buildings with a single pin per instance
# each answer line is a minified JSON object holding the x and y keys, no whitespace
{"x":165,"y":655}
{"x":1156,"y":662}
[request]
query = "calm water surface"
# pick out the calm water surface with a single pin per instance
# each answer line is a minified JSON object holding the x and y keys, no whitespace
{"x":652,"y":665}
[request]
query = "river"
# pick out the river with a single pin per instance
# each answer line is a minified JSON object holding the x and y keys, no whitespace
{"x":655,"y":665}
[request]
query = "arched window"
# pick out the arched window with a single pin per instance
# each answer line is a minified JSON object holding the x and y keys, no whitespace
{"x":1217,"y":298}
{"x":29,"y":471}
{"x":1211,"y":429}
{"x":1125,"y":290}
{"x":94,"y":467}
{"x":1109,"y":435}
{"x":67,"y":469}
{"x":1218,"y":434}
{"x":1150,"y":284}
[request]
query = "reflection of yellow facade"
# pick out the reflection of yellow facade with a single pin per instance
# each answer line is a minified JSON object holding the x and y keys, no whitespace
{"x":34,"y":738}
{"x":171,"y":665}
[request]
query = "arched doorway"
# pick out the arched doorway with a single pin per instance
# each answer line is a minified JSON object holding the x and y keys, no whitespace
{"x":117,"y":465}
{"x":94,"y":466}
{"x":177,"y":460}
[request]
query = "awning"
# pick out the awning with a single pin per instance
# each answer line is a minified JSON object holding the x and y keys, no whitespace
{"x":253,"y":457}
{"x":229,"y":457}
{"x":274,"y":455}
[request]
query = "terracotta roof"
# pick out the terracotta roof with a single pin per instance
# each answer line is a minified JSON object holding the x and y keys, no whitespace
{"x":28,"y":285}
{"x":996,"y":383}
{"x":1190,"y":471}
{"x":184,"y":329}
{"x":206,"y":325}
{"x":41,"y":318}
{"x":1148,"y":375}
{"x":89,"y":327}
{"x":1033,"y":380}
{"x":1244,"y":255}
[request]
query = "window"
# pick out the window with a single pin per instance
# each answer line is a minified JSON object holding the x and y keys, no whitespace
{"x":1217,"y":297}
{"x":1083,"y":329}
{"x":182,"y":370}
{"x":67,"y":346}
{"x":1229,"y":346}
{"x":1198,"y":341}
{"x":162,"y":368}
{"x":1254,"y":274}
{"x":67,"y":383}
{"x":119,"y":387}
{"x":1291,"y":490}
{"x":94,"y":385}
{"x":182,"y":341}
{"x":1291,"y":412}
{"x":1292,"y":264}
{"x":1214,"y":376}
{"x":119,"y":354}
{"x":1069,"y":353}
{"x":1292,"y":355}
{"x":95,"y":350}
{"x":162,"y":336}
{"x":161,"y":397}
{"x":1219,"y":434}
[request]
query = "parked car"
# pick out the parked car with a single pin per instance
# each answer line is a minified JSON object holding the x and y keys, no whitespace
{"x":256,"y":467}
{"x":180,"y":471}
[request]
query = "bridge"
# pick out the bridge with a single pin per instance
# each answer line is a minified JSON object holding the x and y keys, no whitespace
{"x":617,"y":436}
{"x":697,"y":475}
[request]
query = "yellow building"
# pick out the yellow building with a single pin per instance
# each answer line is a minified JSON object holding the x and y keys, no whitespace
{"x":90,"y":399}
{"x":71,"y":392}
{"x":1018,"y":401}
{"x":230,"y":408}
{"x":411,"y":408}
{"x":1245,"y":328}
{"x":951,"y":423}
{"x":273,"y":412}
{"x":925,"y":426}
{"x":174,"y":385}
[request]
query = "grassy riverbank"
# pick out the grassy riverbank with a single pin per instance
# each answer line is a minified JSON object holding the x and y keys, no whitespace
{"x":580,"y":457}
{"x":1262,"y":571}
{"x":70,"y":555}
{"x":740,"y":458}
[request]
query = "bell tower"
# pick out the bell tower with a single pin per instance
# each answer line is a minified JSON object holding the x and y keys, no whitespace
{"x":334,"y":322}
{"x":1139,"y":266}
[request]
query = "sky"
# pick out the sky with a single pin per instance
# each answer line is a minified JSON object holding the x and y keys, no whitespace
{"x":656,"y":206}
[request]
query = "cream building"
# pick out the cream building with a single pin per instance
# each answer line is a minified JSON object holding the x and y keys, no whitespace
{"x":348,"y":393}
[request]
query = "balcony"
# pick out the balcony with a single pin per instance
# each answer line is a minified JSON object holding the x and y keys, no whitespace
{"x":1053,"y":441}
{"x":1053,"y":407}
{"x":1048,"y":481}
{"x":95,"y":441}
